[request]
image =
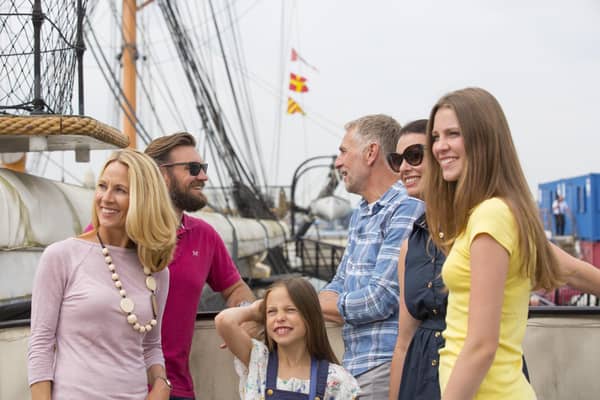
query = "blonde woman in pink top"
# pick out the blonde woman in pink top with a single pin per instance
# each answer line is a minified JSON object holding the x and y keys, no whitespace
{"x":98,"y":299}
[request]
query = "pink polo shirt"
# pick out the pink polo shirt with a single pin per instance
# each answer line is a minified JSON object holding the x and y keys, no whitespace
{"x":200,"y":257}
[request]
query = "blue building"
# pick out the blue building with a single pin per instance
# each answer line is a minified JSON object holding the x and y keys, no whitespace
{"x":582,"y":194}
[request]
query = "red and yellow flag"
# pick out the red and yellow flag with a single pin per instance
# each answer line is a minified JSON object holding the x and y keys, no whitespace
{"x":298,"y":83}
{"x":294,"y":107}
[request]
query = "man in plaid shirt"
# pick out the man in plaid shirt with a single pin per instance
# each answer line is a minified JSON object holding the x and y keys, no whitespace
{"x":364,"y":293}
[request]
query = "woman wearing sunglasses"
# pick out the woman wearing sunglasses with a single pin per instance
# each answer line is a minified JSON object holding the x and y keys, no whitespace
{"x":423,"y":300}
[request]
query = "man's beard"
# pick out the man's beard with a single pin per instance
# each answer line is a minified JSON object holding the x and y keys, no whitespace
{"x":184,"y":200}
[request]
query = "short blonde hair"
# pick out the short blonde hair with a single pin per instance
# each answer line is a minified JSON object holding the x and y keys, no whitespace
{"x":150,"y":222}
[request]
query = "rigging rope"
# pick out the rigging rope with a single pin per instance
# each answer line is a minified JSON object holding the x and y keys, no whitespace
{"x":118,"y":92}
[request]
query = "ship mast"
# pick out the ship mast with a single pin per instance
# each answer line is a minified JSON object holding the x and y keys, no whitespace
{"x":129,"y":54}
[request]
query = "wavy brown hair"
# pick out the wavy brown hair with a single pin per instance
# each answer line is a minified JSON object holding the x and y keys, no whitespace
{"x":150,"y":223}
{"x":306,"y":300}
{"x":160,"y":148}
{"x":491,"y":169}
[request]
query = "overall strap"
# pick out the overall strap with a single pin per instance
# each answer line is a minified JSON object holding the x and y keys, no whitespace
{"x":322,"y":374}
{"x":272,"y":366}
{"x":313,"y":379}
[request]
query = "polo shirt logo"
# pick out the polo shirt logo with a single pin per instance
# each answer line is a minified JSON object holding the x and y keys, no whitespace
{"x":195,"y":253}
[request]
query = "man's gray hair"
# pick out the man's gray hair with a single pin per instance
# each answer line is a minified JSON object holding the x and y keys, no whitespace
{"x":379,"y":128}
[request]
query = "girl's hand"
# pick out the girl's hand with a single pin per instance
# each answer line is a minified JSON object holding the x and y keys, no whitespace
{"x":256,"y":310}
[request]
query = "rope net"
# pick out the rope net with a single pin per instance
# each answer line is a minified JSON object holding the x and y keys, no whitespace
{"x":57,"y":52}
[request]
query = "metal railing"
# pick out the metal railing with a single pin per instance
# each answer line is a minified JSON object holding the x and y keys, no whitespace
{"x":319,"y":259}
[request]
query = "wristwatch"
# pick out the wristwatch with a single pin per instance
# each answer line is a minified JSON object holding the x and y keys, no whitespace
{"x":165,"y":380}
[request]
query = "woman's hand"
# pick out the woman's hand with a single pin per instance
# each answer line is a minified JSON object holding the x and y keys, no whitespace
{"x":157,"y":378}
{"x":160,"y":390}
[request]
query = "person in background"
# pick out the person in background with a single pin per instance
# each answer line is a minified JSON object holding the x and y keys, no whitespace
{"x":363,"y":294}
{"x":200,"y":257}
{"x":296,"y":360}
{"x":559,"y":210}
{"x":98,"y":299}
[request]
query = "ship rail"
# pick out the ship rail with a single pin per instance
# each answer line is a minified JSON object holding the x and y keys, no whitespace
{"x":560,"y":347}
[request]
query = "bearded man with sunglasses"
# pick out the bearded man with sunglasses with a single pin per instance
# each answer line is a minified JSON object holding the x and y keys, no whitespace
{"x":200,"y":257}
{"x":364,"y":294}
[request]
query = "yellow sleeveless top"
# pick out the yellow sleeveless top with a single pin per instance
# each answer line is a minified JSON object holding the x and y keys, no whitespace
{"x":505,"y":379}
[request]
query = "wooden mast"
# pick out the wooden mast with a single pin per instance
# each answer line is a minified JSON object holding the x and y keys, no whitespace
{"x":129,"y":71}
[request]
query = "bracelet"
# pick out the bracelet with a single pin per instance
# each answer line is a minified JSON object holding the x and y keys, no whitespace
{"x":165,"y":380}
{"x":244,"y":303}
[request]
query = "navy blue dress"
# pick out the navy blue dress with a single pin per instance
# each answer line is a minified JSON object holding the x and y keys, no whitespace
{"x":426,"y":300}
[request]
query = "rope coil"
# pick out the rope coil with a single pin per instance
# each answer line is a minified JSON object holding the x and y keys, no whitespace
{"x":49,"y":125}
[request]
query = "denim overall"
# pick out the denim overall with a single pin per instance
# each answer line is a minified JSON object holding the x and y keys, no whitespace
{"x":318,"y":381}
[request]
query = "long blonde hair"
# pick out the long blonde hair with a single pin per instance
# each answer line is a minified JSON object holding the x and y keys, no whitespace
{"x":491,"y":169}
{"x":150,"y":223}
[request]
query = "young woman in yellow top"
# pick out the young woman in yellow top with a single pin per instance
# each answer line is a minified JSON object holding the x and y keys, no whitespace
{"x":487,"y":222}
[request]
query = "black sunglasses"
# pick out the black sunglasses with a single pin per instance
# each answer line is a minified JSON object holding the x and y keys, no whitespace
{"x":194,"y":166}
{"x":413,"y":155}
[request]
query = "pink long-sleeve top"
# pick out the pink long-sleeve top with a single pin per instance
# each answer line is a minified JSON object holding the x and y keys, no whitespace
{"x":80,"y":338}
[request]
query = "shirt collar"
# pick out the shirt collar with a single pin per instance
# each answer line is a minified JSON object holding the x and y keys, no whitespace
{"x":182,"y":226}
{"x":422,"y":221}
{"x":397,"y":189}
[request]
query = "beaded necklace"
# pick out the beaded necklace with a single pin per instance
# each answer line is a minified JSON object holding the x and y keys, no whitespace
{"x":127,"y":305}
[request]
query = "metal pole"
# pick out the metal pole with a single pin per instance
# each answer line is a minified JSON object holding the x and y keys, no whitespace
{"x":80,"y":49}
{"x":37,"y":17}
{"x":295,"y":178}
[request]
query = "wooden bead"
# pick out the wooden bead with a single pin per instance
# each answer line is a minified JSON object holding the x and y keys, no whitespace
{"x":127,"y":305}
{"x":151,"y":283}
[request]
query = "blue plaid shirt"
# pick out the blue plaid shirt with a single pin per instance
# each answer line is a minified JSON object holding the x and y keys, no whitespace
{"x":367,"y":278}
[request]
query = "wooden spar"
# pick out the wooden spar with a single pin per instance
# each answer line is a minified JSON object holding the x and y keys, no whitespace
{"x":18,"y":166}
{"x":129,"y":71}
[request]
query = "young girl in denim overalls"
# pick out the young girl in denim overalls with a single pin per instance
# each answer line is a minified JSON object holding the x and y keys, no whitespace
{"x":296,"y":360}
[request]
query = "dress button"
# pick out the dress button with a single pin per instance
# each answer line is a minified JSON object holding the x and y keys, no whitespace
{"x":269,"y":392}
{"x":433,"y":363}
{"x":317,"y":398}
{"x":434,"y":311}
{"x":437,"y":334}
{"x":429,"y":284}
